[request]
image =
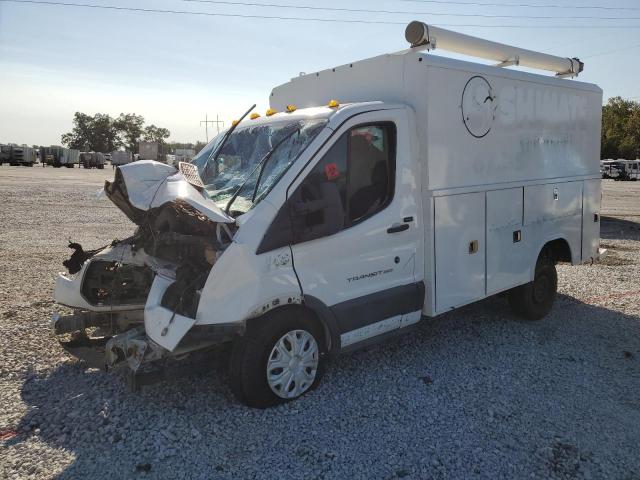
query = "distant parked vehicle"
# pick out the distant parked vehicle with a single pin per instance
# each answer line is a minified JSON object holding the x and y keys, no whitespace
{"x":5,"y":154}
{"x":605,"y":168}
{"x":25,"y":156}
{"x":92,"y":160}
{"x":621,"y":169}
{"x":171,"y":160}
{"x":59,"y":156}
{"x":151,"y":151}
{"x":120,"y":158}
{"x":184,"y":154}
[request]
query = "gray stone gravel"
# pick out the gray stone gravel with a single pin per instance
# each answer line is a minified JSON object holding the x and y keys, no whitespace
{"x":471,"y":394}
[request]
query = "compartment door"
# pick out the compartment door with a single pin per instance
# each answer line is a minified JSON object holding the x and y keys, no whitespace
{"x":459,"y":249}
{"x":591,"y":198}
{"x":508,"y":264}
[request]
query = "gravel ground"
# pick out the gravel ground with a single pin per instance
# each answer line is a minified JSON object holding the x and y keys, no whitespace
{"x":471,"y":394}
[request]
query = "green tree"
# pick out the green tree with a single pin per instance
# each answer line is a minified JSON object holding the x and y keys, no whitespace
{"x":620,"y":129}
{"x":129,"y":128}
{"x":95,"y":133}
{"x":156,"y":134}
{"x":101,"y":133}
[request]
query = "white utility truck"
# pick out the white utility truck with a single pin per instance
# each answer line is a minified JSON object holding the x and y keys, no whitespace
{"x":323,"y":226}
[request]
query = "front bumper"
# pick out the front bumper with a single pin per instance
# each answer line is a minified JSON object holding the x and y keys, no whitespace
{"x":139,"y":339}
{"x":165,"y":327}
{"x":133,"y":348}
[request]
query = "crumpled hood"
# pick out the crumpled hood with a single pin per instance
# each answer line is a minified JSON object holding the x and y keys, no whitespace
{"x":146,"y":184}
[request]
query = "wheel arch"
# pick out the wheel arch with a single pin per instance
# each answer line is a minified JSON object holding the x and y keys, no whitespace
{"x":317,"y":311}
{"x":559,"y":249}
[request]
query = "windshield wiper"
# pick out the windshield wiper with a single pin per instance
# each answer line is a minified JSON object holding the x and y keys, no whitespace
{"x":263,"y":161}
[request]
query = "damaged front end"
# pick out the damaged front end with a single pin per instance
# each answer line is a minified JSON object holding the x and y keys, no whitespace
{"x":137,"y":298}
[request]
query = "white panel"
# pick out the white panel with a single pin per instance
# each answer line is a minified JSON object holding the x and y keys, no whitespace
{"x":529,"y":131}
{"x":507,"y":260}
{"x":553,"y":201}
{"x":553,"y":211}
{"x":460,"y":275}
{"x":590,"y":225}
{"x":539,"y":127}
{"x":368,"y":331}
{"x":410,"y":318}
{"x":377,"y":78}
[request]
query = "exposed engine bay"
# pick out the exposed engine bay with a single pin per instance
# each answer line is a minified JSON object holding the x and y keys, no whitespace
{"x":175,"y":237}
{"x":180,"y":235}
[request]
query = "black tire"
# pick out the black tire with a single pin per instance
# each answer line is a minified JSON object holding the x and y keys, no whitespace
{"x":534,"y":300}
{"x":250,"y":354}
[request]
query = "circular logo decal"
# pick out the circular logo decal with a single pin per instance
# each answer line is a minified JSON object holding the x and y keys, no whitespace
{"x":478,"y":106}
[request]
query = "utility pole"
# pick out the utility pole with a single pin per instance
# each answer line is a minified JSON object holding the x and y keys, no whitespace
{"x":206,"y":122}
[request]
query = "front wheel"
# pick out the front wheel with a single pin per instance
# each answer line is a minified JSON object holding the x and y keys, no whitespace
{"x":277,"y":360}
{"x":534,"y":300}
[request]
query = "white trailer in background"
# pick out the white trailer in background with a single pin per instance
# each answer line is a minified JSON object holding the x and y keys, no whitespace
{"x":120,"y":157}
{"x":24,"y":155}
{"x":622,"y":169}
{"x":92,"y":160}
{"x":151,"y":151}
{"x":57,"y":156}
{"x":431,"y":184}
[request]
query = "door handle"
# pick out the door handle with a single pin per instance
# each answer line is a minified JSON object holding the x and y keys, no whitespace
{"x":398,"y":228}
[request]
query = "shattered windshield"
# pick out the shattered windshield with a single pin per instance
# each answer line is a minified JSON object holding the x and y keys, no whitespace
{"x":238,"y":163}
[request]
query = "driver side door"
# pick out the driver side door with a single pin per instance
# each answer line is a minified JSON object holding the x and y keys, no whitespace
{"x":357,"y":226}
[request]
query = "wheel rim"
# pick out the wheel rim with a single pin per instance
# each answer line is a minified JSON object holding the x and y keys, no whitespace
{"x":293,"y":364}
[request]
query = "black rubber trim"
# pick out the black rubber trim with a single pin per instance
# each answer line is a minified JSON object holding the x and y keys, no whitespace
{"x":362,"y":311}
{"x":327,"y":318}
{"x":217,"y":333}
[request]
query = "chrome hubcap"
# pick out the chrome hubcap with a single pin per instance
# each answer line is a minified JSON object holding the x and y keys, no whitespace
{"x":293,"y":364}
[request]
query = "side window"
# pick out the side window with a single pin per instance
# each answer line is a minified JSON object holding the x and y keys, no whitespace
{"x":328,"y":175}
{"x":354,"y":180}
{"x":371,"y":170}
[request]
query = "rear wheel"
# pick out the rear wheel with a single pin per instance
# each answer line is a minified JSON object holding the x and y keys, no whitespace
{"x":278,"y":359}
{"x":534,"y":300}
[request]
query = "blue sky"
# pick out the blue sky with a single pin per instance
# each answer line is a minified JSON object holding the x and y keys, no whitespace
{"x":172,"y":69}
